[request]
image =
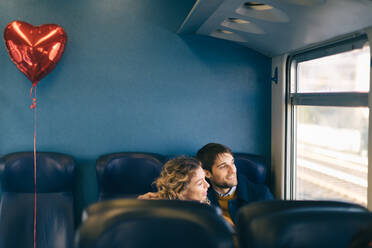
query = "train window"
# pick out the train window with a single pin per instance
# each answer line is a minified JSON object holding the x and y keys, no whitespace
{"x":328,"y":122}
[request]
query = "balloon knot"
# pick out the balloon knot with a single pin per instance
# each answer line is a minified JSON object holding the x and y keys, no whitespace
{"x":33,"y":105}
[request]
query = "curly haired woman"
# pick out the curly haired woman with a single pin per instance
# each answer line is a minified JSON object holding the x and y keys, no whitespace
{"x":182,"y":178}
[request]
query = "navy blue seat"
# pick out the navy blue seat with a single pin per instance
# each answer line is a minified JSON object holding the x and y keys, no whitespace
{"x":55,"y":202}
{"x":304,"y":224}
{"x":251,"y":166}
{"x":127,"y":174}
{"x":133,"y":223}
{"x":129,"y":204}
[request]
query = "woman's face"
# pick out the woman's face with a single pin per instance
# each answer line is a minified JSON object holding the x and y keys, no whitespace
{"x":197,"y":189}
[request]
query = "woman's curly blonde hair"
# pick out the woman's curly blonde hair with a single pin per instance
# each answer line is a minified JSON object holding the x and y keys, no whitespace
{"x":175,"y":177}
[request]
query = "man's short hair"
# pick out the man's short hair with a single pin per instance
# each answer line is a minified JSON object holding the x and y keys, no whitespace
{"x":208,"y":154}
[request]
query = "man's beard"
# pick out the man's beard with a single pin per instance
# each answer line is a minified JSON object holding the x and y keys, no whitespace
{"x":224,"y":185}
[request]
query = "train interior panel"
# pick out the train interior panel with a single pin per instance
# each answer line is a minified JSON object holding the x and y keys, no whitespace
{"x":247,"y":123}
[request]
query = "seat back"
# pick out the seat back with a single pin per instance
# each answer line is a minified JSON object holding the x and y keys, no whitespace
{"x":130,"y":204}
{"x":300,"y":224}
{"x":127,"y":174}
{"x":55,"y":202}
{"x":251,"y":166}
{"x":135,"y":223}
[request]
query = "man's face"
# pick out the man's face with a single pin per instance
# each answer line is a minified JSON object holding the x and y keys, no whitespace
{"x":223,"y":173}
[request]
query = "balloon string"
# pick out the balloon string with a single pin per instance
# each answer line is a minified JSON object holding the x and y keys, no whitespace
{"x":33,"y":106}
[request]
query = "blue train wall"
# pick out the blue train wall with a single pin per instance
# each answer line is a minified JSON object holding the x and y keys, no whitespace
{"x":128,"y":82}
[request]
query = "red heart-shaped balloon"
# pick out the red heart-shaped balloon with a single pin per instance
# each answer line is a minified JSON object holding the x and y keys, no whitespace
{"x":34,"y":50}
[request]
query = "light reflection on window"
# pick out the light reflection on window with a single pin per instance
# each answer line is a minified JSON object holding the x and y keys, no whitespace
{"x":344,"y":72}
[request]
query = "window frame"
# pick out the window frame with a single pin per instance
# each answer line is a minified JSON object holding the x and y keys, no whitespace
{"x":331,"y":99}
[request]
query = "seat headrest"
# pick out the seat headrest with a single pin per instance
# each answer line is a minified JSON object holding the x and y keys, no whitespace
{"x":55,"y":172}
{"x":130,"y":204}
{"x":300,"y":224}
{"x":259,"y":208}
{"x":251,"y":166}
{"x":154,"y":223}
{"x":128,"y":173}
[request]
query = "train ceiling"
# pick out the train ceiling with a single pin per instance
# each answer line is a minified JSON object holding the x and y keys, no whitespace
{"x":275,"y":27}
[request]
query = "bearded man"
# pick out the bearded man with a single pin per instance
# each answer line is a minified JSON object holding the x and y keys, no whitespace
{"x":229,"y":190}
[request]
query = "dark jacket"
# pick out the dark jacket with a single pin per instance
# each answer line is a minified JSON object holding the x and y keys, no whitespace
{"x":247,"y":192}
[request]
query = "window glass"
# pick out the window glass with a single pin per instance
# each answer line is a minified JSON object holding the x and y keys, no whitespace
{"x":331,"y":153}
{"x":344,"y":72}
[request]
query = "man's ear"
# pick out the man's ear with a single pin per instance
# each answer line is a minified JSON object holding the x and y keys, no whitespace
{"x":208,"y":174}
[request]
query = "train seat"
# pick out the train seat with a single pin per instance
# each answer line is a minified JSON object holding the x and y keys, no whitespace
{"x":133,"y":223}
{"x":127,"y":174}
{"x":55,"y":201}
{"x":300,"y":224}
{"x":251,"y":166}
{"x":130,"y":203}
